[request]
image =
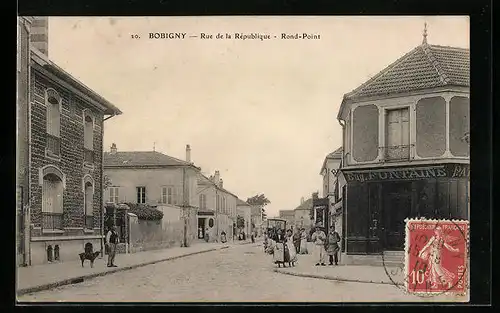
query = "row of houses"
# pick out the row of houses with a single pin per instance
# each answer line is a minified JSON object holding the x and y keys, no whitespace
{"x":404,"y":153}
{"x":61,"y":166}
{"x":179,"y":189}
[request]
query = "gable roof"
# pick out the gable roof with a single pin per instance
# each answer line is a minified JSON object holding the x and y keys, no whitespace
{"x":307,"y":205}
{"x":41,"y":62}
{"x":142,"y":159}
{"x":335,"y":155}
{"x":241,"y":202}
{"x":424,"y":67}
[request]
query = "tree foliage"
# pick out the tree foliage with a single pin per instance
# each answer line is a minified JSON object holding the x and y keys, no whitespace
{"x":107,"y":182}
{"x":261,"y":201}
{"x":240,"y":221}
{"x":145,"y":212}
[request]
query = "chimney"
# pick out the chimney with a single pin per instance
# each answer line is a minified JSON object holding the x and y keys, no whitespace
{"x":188,"y":154}
{"x":221,"y":183}
{"x":39,"y":36}
{"x":217,"y":178}
{"x":302,"y":200}
{"x":113,"y":150}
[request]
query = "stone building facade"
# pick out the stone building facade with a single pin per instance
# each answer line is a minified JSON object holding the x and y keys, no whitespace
{"x":66,"y":123}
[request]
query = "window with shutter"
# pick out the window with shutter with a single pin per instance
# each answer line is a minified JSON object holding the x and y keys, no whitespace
{"x":398,"y":134}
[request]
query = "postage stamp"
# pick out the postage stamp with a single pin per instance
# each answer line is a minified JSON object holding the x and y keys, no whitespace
{"x":436,"y":257}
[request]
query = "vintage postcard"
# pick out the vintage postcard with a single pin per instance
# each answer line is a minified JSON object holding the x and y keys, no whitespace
{"x":243,"y":159}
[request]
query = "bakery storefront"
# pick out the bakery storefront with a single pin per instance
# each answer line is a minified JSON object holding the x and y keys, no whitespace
{"x":379,"y":200}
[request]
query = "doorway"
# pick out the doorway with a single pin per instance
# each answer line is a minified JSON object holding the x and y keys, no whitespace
{"x":201,"y":228}
{"x":397,"y":207}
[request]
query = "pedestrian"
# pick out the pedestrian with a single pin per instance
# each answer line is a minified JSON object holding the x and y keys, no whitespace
{"x":333,"y":247}
{"x":296,"y":239}
{"x":111,"y":241}
{"x":292,"y":252}
{"x":253,"y":237}
{"x":223,"y":238}
{"x":303,"y":242}
{"x":319,"y":238}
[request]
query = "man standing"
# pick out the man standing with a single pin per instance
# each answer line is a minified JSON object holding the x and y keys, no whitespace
{"x":333,"y":245}
{"x":112,"y":240}
{"x":319,"y":239}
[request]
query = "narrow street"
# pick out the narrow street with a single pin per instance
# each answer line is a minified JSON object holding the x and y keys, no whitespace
{"x":238,"y":274}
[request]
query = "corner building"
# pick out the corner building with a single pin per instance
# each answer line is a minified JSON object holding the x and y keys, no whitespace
{"x":405,"y":148}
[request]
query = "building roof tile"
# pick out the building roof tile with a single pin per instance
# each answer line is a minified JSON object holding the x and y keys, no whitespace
{"x":424,"y":67}
{"x":141,"y":158}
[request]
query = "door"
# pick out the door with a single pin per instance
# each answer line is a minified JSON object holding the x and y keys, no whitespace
{"x":201,"y":228}
{"x":397,"y":207}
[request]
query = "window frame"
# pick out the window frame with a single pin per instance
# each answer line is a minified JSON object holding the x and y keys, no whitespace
{"x":116,"y":194}
{"x":53,"y":133}
{"x":143,"y":196}
{"x":407,"y":133}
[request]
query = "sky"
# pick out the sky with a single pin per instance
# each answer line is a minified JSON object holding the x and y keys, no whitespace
{"x":262,"y":112}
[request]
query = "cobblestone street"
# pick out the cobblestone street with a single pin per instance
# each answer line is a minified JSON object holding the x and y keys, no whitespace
{"x":239,"y":274}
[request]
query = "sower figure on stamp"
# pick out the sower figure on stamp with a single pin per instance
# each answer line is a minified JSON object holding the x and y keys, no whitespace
{"x":333,"y":246}
{"x":319,"y":239}
{"x":431,"y":252}
{"x":111,"y":241}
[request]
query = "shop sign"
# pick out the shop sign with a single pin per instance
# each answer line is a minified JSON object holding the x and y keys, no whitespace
{"x":451,"y":171}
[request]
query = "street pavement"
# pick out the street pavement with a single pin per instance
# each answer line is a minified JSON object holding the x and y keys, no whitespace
{"x":241,"y":273}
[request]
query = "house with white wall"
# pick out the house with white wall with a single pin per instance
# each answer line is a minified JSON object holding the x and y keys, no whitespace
{"x":156,"y":179}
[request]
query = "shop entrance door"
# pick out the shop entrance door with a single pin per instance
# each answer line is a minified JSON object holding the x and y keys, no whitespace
{"x":201,"y":228}
{"x":397,"y":207}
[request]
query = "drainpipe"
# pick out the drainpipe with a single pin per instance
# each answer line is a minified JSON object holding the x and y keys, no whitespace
{"x":102,"y":184}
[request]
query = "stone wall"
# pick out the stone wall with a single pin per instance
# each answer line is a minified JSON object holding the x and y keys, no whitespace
{"x":71,"y":153}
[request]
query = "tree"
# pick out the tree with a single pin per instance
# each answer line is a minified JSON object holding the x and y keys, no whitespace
{"x":261,"y":201}
{"x":107,"y":182}
{"x":240,"y":221}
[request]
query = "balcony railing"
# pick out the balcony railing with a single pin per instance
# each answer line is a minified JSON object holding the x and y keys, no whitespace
{"x":52,"y":220}
{"x":53,"y":144}
{"x":397,"y":153}
{"x":88,"y":156}
{"x":89,"y":222}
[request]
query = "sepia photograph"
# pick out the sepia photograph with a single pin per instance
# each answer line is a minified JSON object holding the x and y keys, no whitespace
{"x":261,"y":159}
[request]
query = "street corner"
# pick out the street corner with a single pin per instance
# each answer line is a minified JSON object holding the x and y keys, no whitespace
{"x":347,"y":273}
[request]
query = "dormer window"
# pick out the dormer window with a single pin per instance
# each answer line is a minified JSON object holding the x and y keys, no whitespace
{"x":53,"y":103}
{"x":88,"y":139}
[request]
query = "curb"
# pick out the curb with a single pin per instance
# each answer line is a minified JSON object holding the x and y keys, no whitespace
{"x":79,"y":279}
{"x":338,"y":278}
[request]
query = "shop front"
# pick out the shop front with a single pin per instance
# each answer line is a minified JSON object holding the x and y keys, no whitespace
{"x":206,"y":224}
{"x":379,"y":200}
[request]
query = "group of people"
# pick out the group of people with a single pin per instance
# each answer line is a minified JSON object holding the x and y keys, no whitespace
{"x":286,"y":245}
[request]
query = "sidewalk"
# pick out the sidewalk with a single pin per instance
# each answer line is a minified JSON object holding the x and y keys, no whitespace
{"x":305,"y":267}
{"x":47,"y":276}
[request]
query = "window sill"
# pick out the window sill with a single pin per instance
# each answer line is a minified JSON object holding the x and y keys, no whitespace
{"x":52,"y":156}
{"x":88,"y":165}
{"x":52,"y":231}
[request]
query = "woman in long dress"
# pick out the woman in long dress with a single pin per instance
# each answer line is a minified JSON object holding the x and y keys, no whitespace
{"x":431,"y":252}
{"x":276,"y":247}
{"x":292,"y":252}
{"x":303,"y":241}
